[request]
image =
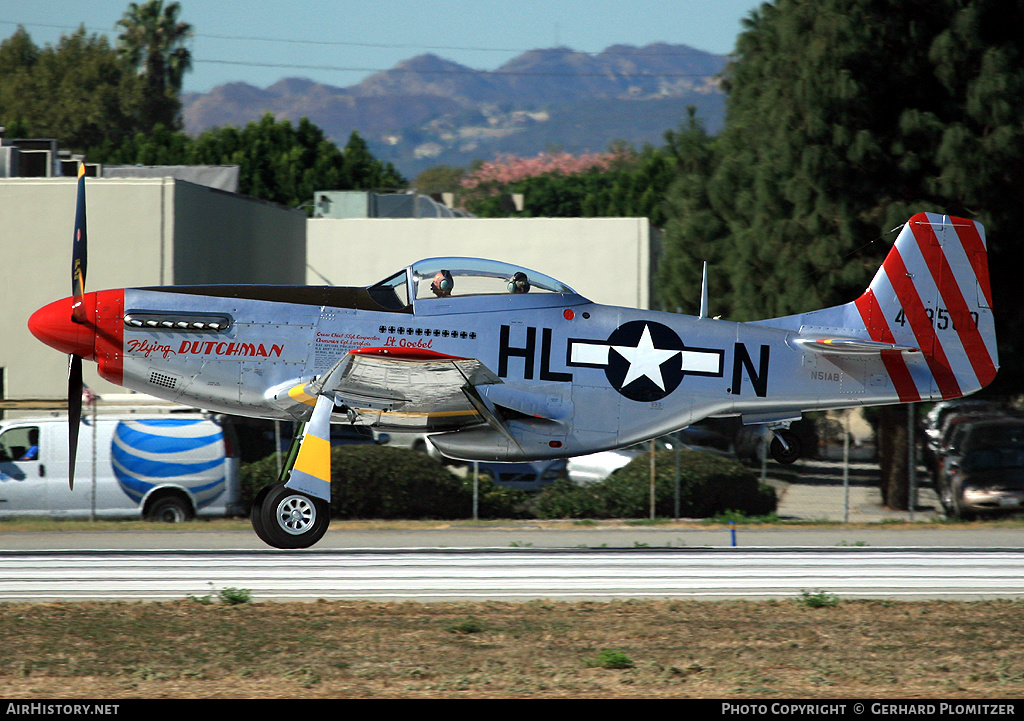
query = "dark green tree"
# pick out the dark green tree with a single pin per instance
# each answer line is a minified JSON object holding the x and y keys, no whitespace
{"x":77,"y":91}
{"x":438,"y":179}
{"x":153,"y":42}
{"x":845,"y":117}
{"x":278,"y":161}
{"x":690,"y":213}
{"x":975,"y":135}
{"x":17,"y":53}
{"x":359,"y":169}
{"x":809,"y":167}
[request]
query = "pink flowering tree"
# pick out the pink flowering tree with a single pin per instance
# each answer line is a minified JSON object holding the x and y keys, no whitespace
{"x":509,"y":169}
{"x":551,"y":183}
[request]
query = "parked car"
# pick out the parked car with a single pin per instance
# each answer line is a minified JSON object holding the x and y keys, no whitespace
{"x":752,"y":443}
{"x":935,"y":419}
{"x":527,"y":476}
{"x":985,"y":474}
{"x":950,"y":439}
{"x":167,"y":467}
{"x":416,"y":442}
{"x":702,"y":438}
{"x":346,"y":434}
{"x":598,"y":466}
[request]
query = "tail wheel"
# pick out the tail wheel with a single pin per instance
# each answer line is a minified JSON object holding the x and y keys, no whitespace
{"x":284,"y":518}
{"x":785,"y":447}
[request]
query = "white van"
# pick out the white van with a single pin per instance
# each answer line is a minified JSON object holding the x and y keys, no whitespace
{"x":167,"y":467}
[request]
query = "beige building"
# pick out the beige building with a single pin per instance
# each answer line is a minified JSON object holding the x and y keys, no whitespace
{"x":607,"y":260}
{"x":166,"y":231}
{"x":142,"y":231}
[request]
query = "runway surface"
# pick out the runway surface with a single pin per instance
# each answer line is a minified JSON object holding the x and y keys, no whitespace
{"x":527,"y":534}
{"x":432,"y":574}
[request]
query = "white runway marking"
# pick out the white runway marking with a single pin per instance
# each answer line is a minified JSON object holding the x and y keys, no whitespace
{"x":514,"y":574}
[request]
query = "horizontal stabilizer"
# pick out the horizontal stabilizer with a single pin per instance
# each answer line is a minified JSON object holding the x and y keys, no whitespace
{"x":852,"y":346}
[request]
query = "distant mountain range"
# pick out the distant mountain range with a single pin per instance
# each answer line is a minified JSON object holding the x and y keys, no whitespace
{"x":430,"y":111}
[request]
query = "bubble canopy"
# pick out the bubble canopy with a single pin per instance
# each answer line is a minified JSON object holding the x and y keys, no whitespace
{"x":465,"y":278}
{"x":478,"y":276}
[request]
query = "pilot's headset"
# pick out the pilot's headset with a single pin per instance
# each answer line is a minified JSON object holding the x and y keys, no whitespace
{"x":443,"y":283}
{"x":519,"y":283}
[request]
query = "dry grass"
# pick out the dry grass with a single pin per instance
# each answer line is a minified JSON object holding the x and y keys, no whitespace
{"x":699,"y":649}
{"x":725,"y":649}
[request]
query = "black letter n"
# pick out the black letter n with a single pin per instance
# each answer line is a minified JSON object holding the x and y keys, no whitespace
{"x":758,"y":378}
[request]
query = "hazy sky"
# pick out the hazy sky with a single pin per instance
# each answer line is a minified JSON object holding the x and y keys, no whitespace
{"x":341,"y":42}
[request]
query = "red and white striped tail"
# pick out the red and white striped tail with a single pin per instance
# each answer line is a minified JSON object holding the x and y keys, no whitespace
{"x":933,"y":292}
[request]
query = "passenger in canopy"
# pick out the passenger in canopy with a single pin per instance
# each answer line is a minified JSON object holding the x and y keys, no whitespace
{"x":519,"y":283}
{"x":442,"y":284}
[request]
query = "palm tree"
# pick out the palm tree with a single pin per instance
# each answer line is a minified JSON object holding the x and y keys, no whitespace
{"x":153,"y":42}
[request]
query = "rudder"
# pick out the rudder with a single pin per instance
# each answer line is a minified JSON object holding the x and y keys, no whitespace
{"x":933,"y":292}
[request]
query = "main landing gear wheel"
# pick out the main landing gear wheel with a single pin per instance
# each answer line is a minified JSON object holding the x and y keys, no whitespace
{"x":785,"y":446}
{"x":284,"y":518}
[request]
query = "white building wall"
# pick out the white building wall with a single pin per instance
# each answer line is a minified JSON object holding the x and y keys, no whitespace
{"x":607,"y":260}
{"x":142,"y":231}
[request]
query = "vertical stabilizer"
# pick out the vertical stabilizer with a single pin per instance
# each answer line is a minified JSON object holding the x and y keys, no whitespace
{"x":933,"y":292}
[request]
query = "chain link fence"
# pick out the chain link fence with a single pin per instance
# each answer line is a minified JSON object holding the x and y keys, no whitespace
{"x":838,"y":479}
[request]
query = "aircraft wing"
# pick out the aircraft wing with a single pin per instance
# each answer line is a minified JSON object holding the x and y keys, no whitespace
{"x":418,"y":390}
{"x":401,"y":389}
{"x":405,"y":389}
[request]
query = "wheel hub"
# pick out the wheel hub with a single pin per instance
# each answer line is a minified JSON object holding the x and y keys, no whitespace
{"x":295,"y":514}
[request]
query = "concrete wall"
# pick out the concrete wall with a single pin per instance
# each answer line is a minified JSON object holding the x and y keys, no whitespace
{"x":222,"y":237}
{"x":154,"y":231}
{"x":604,"y":259}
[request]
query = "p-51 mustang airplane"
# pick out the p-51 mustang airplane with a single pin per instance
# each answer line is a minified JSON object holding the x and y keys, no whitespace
{"x":502,"y":363}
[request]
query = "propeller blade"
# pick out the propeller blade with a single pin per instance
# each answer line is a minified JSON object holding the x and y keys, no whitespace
{"x":79,"y":262}
{"x":79,"y":252}
{"x":312,"y":471}
{"x":75,"y":385}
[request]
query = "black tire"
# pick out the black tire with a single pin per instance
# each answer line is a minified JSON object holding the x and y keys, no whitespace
{"x":255,"y":513}
{"x":946,"y":499}
{"x":958,"y":507}
{"x":945,"y":494}
{"x":787,"y":452}
{"x":170,"y":509}
{"x":284,"y":518}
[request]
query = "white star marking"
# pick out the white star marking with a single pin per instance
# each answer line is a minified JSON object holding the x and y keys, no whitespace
{"x":644,"y":359}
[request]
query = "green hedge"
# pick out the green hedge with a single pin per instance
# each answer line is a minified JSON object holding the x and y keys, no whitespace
{"x":708,"y":485}
{"x":369,"y":481}
{"x":396,"y":483}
